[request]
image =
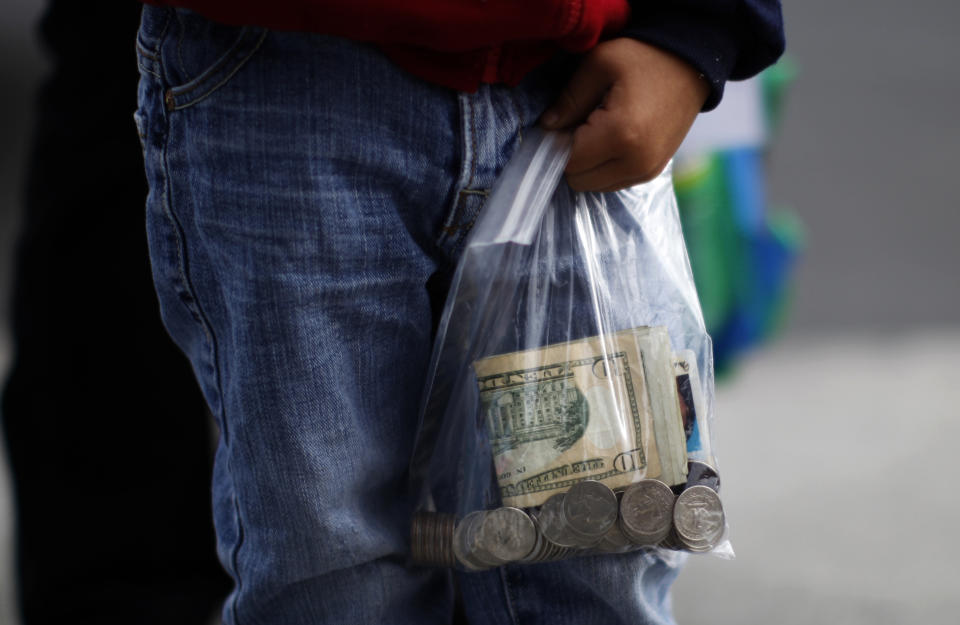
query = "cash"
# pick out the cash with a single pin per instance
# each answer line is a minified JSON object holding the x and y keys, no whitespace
{"x":646,"y":512}
{"x":698,"y":518}
{"x":604,"y":408}
{"x":488,"y":538}
{"x":431,"y":538}
{"x":581,"y":517}
{"x":589,"y":518}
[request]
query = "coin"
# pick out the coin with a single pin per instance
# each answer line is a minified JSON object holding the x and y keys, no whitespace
{"x":671,"y":541}
{"x":507,"y":534}
{"x":416,"y":551}
{"x":431,"y":538}
{"x":589,"y":509}
{"x":445,"y":544}
{"x":698,"y":518}
{"x":465,"y":541}
{"x":539,"y":546}
{"x":614,"y":541}
{"x":553,"y":524}
{"x":646,"y":511}
{"x":702,"y":474}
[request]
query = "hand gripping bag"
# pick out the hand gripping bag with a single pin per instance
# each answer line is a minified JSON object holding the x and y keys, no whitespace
{"x":568,"y":408}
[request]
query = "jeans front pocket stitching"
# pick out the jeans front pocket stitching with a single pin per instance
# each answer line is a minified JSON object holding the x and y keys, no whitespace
{"x":221,"y":72}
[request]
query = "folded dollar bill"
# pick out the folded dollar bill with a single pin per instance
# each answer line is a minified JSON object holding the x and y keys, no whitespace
{"x":603,"y":408}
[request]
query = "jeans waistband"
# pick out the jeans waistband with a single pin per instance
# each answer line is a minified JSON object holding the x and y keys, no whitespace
{"x":154,"y":22}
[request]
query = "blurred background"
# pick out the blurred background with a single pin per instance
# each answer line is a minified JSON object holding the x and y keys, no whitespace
{"x":838,"y":437}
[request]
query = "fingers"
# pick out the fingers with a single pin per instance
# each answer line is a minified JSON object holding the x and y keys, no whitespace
{"x":649,"y":101}
{"x":612,"y":175}
{"x":582,"y":94}
{"x":615,"y":148}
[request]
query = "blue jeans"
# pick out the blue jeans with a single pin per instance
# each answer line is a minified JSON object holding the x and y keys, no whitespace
{"x":306,"y":201}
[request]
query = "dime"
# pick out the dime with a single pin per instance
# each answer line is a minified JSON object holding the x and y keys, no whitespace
{"x":507,"y":534}
{"x":646,"y":511}
{"x":589,"y":509}
{"x":702,"y":474}
{"x":698,"y":518}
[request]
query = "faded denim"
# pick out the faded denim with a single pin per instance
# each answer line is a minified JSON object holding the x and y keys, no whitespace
{"x":306,"y":201}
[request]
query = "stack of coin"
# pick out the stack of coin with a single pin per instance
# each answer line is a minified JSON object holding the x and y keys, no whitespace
{"x":579,"y":518}
{"x":646,"y":512}
{"x":698,"y":518}
{"x":431,"y":538}
{"x":488,"y":538}
{"x":615,"y":541}
{"x":588,"y":518}
{"x":671,"y":541}
{"x":545,"y":550}
{"x":590,"y":510}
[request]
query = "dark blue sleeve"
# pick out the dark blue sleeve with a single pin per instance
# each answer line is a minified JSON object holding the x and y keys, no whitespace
{"x":723,"y":39}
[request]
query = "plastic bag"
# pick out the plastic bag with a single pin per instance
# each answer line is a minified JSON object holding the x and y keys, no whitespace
{"x":569,"y":402}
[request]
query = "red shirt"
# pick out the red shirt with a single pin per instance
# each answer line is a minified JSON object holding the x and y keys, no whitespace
{"x":456,"y":43}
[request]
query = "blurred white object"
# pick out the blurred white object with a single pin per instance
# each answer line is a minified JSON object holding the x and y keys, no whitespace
{"x":739,"y":122}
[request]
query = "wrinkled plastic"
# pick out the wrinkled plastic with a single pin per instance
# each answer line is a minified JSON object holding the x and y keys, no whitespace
{"x":583,"y":306}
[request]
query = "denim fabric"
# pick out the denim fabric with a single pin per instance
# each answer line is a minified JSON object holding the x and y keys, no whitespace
{"x":306,"y":200}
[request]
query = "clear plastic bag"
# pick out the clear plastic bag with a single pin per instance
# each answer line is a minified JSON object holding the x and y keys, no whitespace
{"x":569,"y":402}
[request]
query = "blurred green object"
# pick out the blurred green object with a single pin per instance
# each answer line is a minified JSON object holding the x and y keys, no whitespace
{"x":742,"y":255}
{"x":774,"y":82}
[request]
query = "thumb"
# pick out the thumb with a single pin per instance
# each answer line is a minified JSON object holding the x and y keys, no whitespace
{"x":582,"y":94}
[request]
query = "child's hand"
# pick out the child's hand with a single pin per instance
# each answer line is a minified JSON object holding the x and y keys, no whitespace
{"x":630,"y":105}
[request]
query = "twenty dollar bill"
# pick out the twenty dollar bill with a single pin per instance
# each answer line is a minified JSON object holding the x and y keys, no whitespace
{"x":603,"y":408}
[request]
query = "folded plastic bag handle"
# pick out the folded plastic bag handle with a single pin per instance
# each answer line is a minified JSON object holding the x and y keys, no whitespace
{"x":522,"y":192}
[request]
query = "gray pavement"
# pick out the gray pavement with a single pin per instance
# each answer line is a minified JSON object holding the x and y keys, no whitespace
{"x":838,"y":455}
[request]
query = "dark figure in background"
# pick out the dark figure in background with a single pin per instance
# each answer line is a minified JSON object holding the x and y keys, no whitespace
{"x":107,"y":433}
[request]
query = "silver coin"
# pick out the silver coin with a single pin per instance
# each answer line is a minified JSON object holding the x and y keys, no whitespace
{"x":589,"y":509}
{"x":698,"y":518}
{"x":553,"y":523}
{"x":646,"y":511}
{"x":507,"y":534}
{"x":539,"y":544}
{"x":427,"y":533}
{"x":614,"y":541}
{"x":431,"y":535}
{"x":446,"y":527}
{"x":671,"y":541}
{"x":417,"y":546}
{"x":465,"y":541}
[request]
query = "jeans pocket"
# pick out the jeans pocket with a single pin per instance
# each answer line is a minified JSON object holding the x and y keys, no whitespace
{"x":194,"y":57}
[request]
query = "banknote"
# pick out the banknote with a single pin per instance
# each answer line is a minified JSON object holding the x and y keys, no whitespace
{"x":692,"y":408}
{"x":657,"y":353}
{"x":603,"y":408}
